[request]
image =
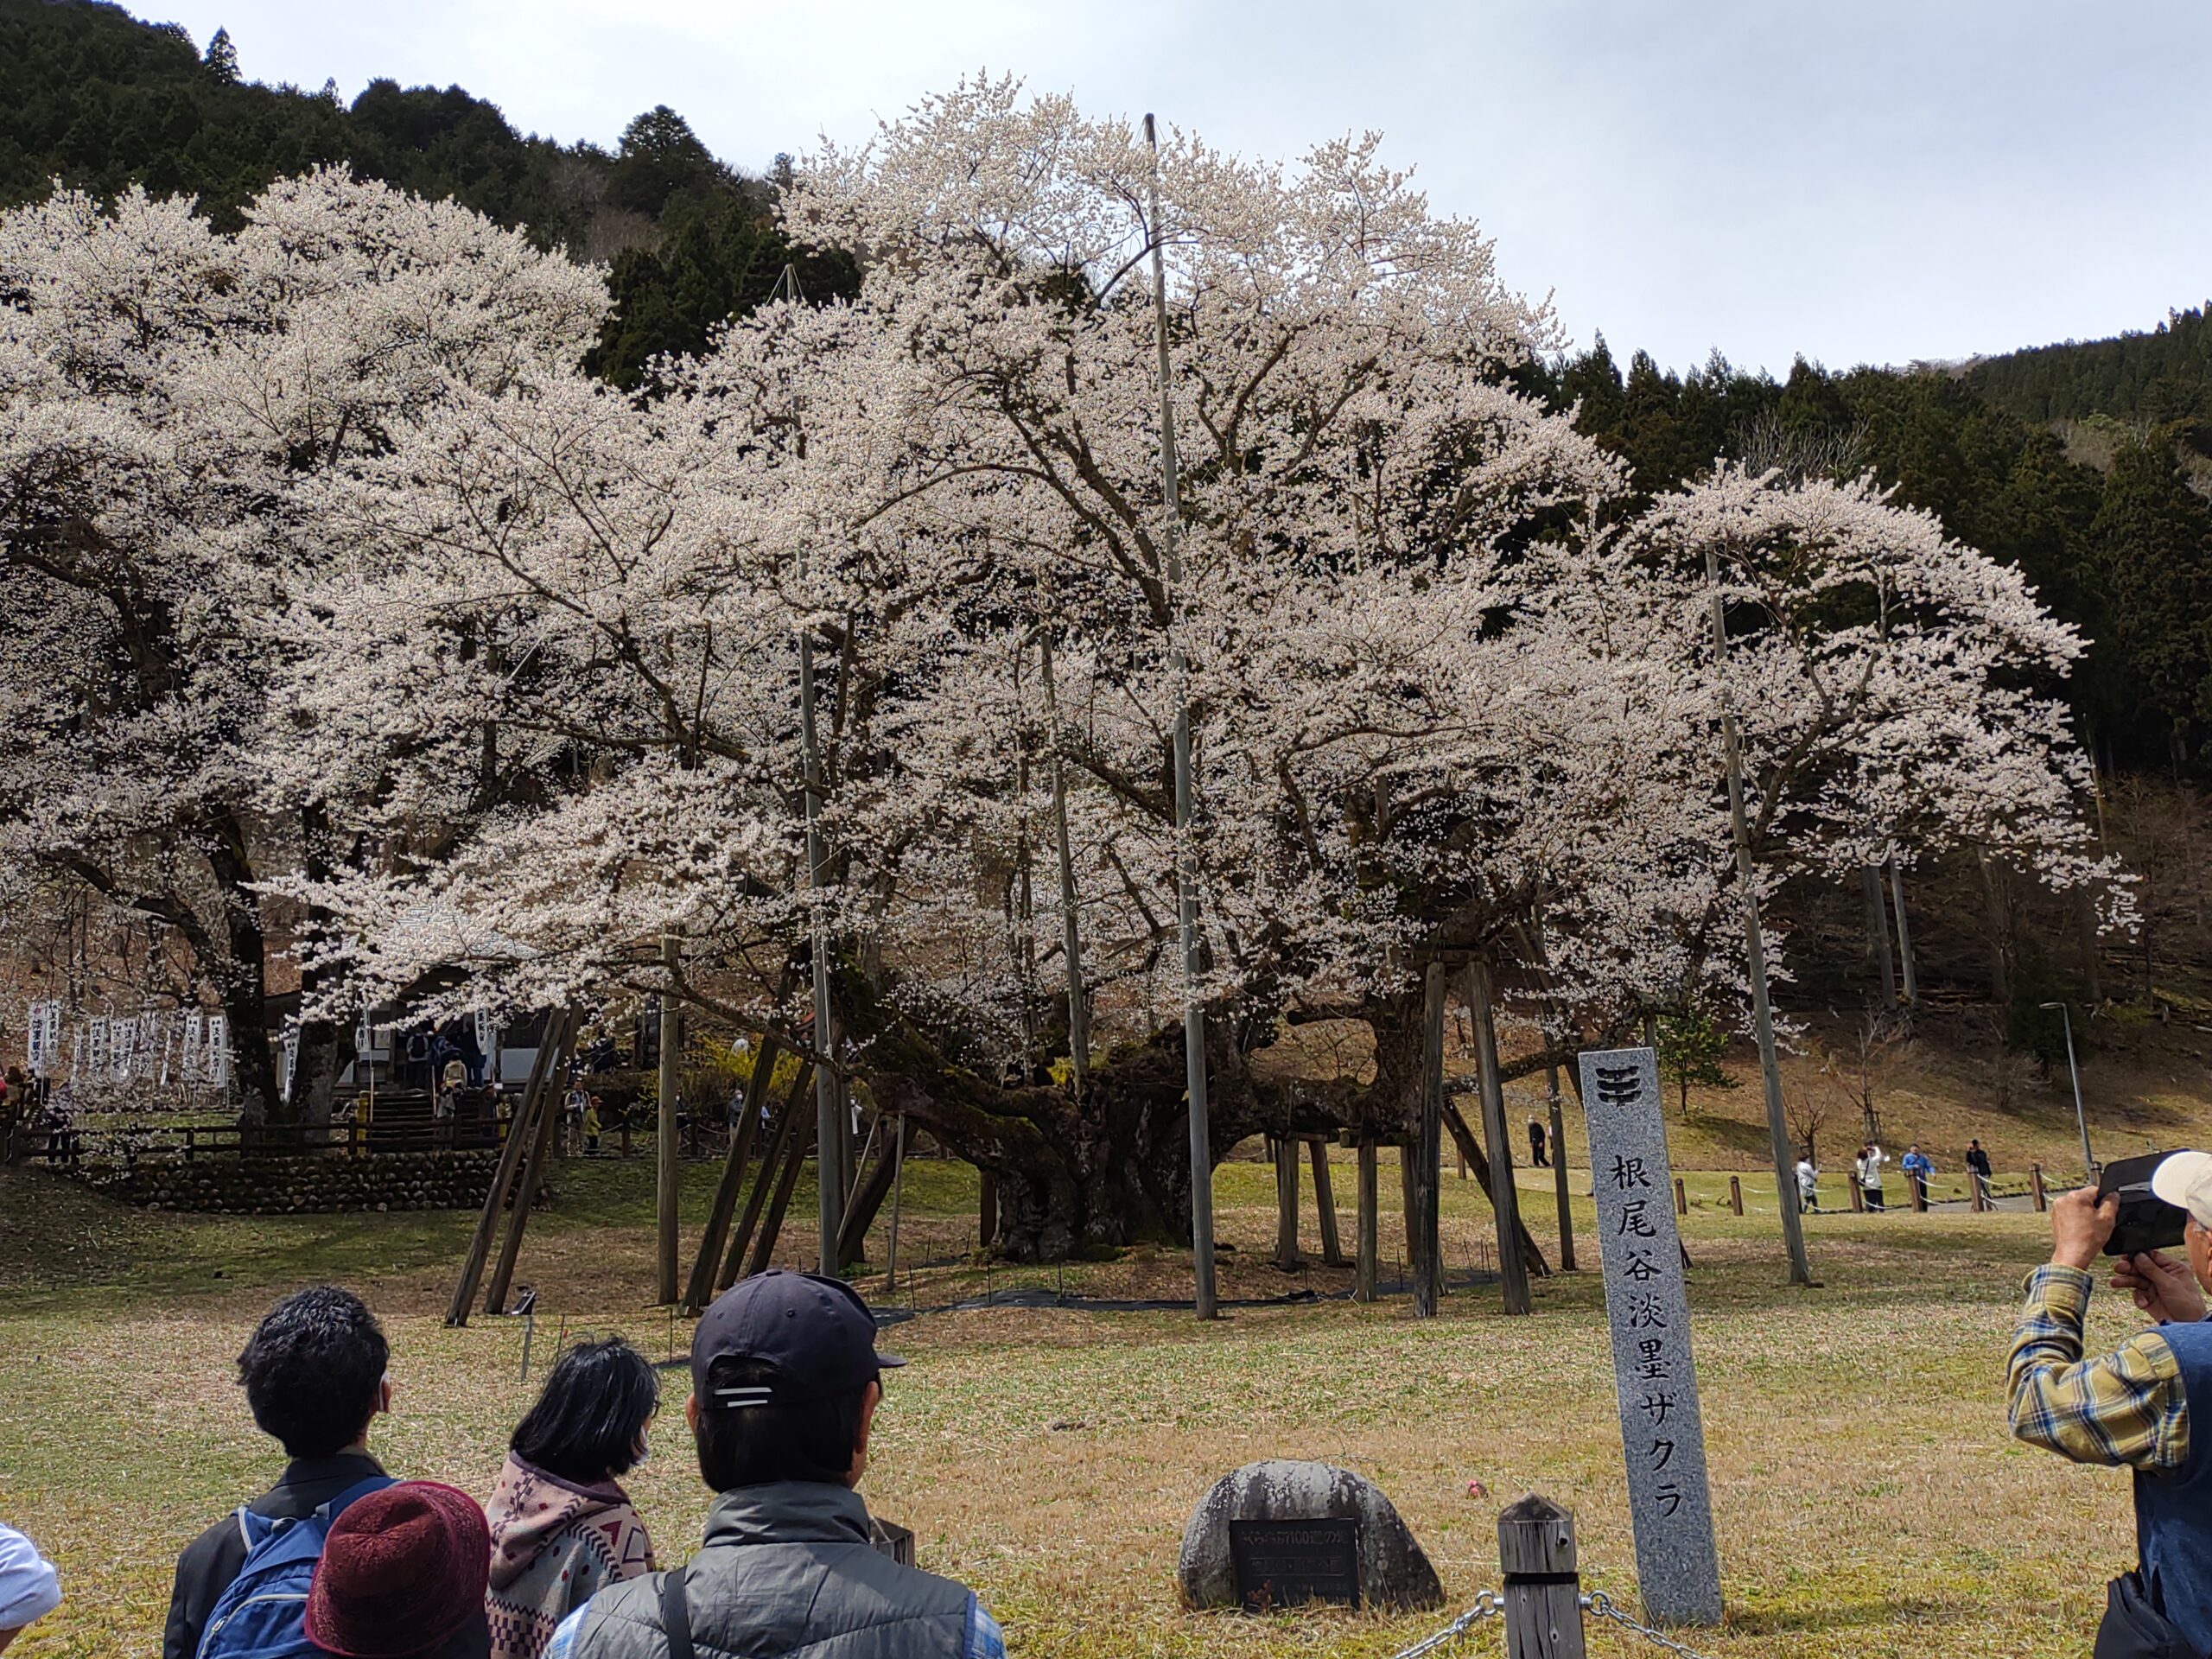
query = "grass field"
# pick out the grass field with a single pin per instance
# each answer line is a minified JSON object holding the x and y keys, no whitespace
{"x":1869,"y":1500}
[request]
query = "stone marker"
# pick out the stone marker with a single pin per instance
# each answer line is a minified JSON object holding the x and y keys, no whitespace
{"x":1301,"y":1531}
{"x":1655,"y":1378}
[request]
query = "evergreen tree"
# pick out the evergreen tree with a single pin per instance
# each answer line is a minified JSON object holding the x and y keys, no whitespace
{"x":222,"y":58}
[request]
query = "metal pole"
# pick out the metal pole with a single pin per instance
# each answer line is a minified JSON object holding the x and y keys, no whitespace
{"x":827,"y":1124}
{"x":1186,"y":882}
{"x":667,"y":1176}
{"x":1785,"y":1183}
{"x":2081,"y":1118}
{"x":1071,"y":934}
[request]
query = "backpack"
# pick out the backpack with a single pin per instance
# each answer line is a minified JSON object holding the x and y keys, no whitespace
{"x":260,"y":1616}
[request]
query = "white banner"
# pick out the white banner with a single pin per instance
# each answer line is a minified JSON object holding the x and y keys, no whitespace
{"x":42,"y":1038}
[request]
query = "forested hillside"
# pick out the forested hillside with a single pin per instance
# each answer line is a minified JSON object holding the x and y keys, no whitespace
{"x":2161,"y":378}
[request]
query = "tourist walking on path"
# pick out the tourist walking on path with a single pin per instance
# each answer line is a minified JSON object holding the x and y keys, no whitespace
{"x":1866,"y":1170}
{"x":314,"y":1375}
{"x":401,"y":1576}
{"x":784,"y":1385}
{"x":1917,"y":1166}
{"x":1977,"y":1164}
{"x":1536,"y":1144}
{"x":1809,"y":1184}
{"x":29,"y":1587}
{"x":2130,"y":1407}
{"x":561,"y":1528}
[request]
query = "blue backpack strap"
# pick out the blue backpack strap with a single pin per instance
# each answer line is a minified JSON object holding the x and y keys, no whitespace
{"x":360,"y":1488}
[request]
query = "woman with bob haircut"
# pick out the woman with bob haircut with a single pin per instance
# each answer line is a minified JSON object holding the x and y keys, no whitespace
{"x":562,"y":1527}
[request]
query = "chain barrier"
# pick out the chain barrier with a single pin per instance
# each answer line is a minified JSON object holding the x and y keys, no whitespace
{"x":1490,"y":1604}
{"x":1601,"y":1606}
{"x":1487,"y":1606}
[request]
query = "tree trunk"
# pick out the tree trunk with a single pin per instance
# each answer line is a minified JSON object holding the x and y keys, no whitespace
{"x":1878,"y":934}
{"x":1999,"y":923}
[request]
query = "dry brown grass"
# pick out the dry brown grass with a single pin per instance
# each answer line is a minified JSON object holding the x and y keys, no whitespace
{"x":1869,"y":1499}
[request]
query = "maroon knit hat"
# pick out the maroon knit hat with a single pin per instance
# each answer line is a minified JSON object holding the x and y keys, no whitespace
{"x":403,"y":1572}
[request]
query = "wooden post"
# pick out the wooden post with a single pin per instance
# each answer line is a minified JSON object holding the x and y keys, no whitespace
{"x":2034,"y":1186}
{"x":1559,"y":1177}
{"x":1364,"y":1291}
{"x":503,"y":1177}
{"x":1904,"y":935}
{"x":1976,"y":1200}
{"x":1858,"y":1195}
{"x":1543,"y":1590}
{"x":898,"y":1194}
{"x":986,"y":1208}
{"x":1682,"y":1198}
{"x":1919,"y":1190}
{"x":559,"y":1031}
{"x":700,"y":1289}
{"x":866,"y":1202}
{"x":1505,"y":1198}
{"x":1324,"y":1201}
{"x":788,"y":1123}
{"x":1736,"y":1194}
{"x":765,"y":1246}
{"x":1422,"y":1243}
{"x":1286,"y":1159}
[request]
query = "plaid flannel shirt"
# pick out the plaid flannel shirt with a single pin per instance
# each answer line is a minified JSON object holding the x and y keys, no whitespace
{"x":2124,"y":1408}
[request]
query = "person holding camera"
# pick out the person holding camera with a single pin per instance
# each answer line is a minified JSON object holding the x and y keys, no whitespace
{"x":2130,"y":1407}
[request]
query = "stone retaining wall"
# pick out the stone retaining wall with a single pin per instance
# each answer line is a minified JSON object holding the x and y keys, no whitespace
{"x":304,"y":1185}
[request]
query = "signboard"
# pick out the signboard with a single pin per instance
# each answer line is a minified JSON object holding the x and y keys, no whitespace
{"x":1284,"y":1563}
{"x":1655,"y":1378}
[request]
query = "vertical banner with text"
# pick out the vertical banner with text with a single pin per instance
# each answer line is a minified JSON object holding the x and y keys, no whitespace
{"x":1663,"y":1436}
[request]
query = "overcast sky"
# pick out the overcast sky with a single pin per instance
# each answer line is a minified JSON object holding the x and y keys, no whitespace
{"x":1858,"y":180}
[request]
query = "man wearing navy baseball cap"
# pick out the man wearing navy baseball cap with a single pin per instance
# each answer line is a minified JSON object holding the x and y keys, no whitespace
{"x":785,"y":1380}
{"x":2147,"y":1404}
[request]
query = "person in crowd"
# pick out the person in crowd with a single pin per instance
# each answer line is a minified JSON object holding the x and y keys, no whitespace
{"x":14,"y":1112}
{"x":592,"y":1128}
{"x":561,"y":1527}
{"x":785,"y":1382}
{"x":1866,"y":1170}
{"x":573,"y":1106}
{"x":402,"y":1576}
{"x":314,"y":1379}
{"x":1917,"y":1166}
{"x":1977,"y":1164}
{"x":29,"y":1587}
{"x":2130,"y":1407}
{"x":1536,"y":1144}
{"x":1808,"y":1184}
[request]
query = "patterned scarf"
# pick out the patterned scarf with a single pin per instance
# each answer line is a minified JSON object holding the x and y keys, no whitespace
{"x":554,"y":1544}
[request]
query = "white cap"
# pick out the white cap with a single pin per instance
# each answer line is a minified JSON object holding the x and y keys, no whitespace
{"x":2185,"y":1181}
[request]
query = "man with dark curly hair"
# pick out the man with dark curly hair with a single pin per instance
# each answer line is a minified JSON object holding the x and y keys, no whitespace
{"x":314,"y":1375}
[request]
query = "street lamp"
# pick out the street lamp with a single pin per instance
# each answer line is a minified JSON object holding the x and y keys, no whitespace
{"x":2088,"y":1160}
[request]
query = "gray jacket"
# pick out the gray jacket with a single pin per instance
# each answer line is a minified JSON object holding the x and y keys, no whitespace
{"x":787,"y":1571}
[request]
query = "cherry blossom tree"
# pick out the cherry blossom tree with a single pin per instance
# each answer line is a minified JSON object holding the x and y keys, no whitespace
{"x":165,"y":392}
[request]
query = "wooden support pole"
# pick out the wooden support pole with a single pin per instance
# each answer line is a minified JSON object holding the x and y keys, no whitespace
{"x":897,"y":1194}
{"x":558,"y":1038}
{"x":1682,"y":1198}
{"x":1736,"y":1194}
{"x":1918,"y":1188}
{"x":1541,"y":1587}
{"x":764,"y":1249}
{"x":2034,"y":1186}
{"x":1285,"y":1161}
{"x":986,"y":1208}
{"x":503,"y":1180}
{"x":1423,"y":1244}
{"x":1977,"y":1199}
{"x":1904,"y":935}
{"x":867,"y":1204}
{"x":1505,"y":1198}
{"x":1560,"y":1194}
{"x":1365,"y":1244}
{"x":701,"y":1289}
{"x":1324,"y":1202}
{"x":1858,"y":1195}
{"x":789,"y":1122}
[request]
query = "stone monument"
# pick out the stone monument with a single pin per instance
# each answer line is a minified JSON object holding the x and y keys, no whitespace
{"x":1279,"y":1532}
{"x":1655,"y":1378}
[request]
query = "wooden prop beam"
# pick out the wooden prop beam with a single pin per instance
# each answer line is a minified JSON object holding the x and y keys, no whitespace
{"x":519,"y":1131}
{"x":787,"y":1125}
{"x":533,"y":1173}
{"x":1325,"y":1200}
{"x":699,"y":1290}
